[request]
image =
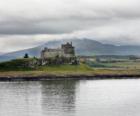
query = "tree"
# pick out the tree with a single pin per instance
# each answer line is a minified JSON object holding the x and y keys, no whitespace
{"x":26,"y":56}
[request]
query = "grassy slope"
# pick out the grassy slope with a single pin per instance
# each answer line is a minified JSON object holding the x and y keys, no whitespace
{"x":55,"y":70}
{"x":14,"y":68}
{"x":64,"y":70}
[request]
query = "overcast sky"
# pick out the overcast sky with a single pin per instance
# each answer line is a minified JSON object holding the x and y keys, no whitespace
{"x":28,"y":23}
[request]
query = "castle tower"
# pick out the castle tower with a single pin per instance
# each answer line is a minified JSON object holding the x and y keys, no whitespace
{"x":68,"y":49}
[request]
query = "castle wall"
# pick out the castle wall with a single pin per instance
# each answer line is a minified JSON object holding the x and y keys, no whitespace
{"x":66,"y":51}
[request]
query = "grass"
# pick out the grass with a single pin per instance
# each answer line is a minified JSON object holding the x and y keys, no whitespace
{"x":16,"y":65}
{"x":64,"y":70}
{"x":66,"y":67}
{"x":117,"y":65}
{"x":126,"y":65}
{"x":117,"y":68}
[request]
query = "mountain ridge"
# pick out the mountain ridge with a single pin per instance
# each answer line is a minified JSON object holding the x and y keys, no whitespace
{"x":87,"y":47}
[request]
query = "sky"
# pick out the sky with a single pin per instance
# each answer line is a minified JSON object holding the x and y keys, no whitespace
{"x":28,"y":23}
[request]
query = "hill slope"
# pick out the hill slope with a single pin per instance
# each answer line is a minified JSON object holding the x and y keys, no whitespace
{"x":82,"y":47}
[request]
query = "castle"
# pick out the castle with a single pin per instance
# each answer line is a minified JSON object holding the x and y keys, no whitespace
{"x":65,"y":54}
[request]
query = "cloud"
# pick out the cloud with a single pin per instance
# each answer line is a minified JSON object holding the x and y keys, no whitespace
{"x":35,"y":21}
{"x":63,"y":16}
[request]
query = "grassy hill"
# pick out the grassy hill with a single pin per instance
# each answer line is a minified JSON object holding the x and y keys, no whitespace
{"x":24,"y":65}
{"x":19,"y":68}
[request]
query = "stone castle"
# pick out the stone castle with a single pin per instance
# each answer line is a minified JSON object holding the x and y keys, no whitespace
{"x":61,"y":55}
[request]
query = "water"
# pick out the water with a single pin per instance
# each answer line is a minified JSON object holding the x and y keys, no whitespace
{"x":70,"y":98}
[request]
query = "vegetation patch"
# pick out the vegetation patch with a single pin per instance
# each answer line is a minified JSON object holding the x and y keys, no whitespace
{"x":66,"y":67}
{"x":17,"y":65}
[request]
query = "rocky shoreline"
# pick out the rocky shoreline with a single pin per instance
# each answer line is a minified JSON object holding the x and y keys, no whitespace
{"x":59,"y":77}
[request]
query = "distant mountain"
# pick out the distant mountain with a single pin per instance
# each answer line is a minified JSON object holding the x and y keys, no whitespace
{"x":1,"y":53}
{"x":82,"y":46}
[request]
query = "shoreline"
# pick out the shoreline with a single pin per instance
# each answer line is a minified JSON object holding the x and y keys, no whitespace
{"x":67,"y":77}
